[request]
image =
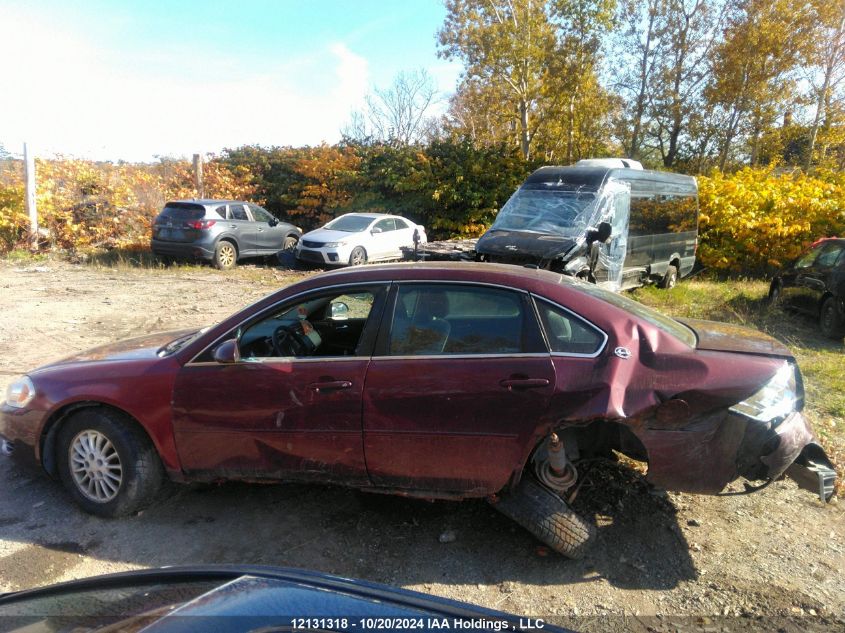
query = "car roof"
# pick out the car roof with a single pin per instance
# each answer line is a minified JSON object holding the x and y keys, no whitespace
{"x":207,"y":201}
{"x":371,"y":216}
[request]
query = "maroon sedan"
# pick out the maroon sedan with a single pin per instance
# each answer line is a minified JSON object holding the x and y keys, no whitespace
{"x":433,"y":380}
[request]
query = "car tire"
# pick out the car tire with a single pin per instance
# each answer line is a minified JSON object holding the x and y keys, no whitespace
{"x":225,"y":255}
{"x":775,"y":291}
{"x":670,"y":279}
{"x":127,"y":472}
{"x":358,"y":256}
{"x":548,"y":517}
{"x":165,"y":260}
{"x":830,"y":320}
{"x":289,"y":244}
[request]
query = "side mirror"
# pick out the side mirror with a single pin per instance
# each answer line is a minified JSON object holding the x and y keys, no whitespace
{"x":375,"y":231}
{"x":227,"y":352}
{"x":339,"y":310}
{"x":604,"y":231}
{"x":273,"y":222}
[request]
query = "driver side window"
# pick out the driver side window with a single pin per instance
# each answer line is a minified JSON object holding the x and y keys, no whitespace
{"x":322,"y":325}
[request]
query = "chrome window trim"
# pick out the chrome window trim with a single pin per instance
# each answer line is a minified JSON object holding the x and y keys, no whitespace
{"x":535,"y":298}
{"x":222,"y":338}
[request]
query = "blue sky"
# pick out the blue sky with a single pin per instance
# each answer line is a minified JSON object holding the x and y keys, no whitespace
{"x":130,"y":80}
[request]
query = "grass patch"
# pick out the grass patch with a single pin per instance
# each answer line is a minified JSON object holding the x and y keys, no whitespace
{"x":743,"y":302}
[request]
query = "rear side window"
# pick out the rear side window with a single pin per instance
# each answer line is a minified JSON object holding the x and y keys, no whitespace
{"x":221,"y":211}
{"x":433,"y":319}
{"x":567,"y":333}
{"x":183,"y":211}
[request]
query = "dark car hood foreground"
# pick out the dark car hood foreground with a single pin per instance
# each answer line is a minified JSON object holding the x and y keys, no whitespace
{"x":726,"y":337}
{"x":243,"y":598}
{"x":142,"y":347}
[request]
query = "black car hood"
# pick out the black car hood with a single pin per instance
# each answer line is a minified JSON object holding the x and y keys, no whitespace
{"x":523,"y":244}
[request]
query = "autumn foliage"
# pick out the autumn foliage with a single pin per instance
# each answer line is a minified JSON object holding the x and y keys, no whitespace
{"x":752,"y":221}
{"x":756,"y":220}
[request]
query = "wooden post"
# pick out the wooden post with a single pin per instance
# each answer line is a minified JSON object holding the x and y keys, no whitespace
{"x":29,"y":170}
{"x":200,"y":186}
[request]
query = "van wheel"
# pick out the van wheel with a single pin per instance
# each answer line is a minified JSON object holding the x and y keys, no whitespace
{"x":225,"y":255}
{"x":548,"y":517}
{"x":670,"y":279}
{"x":108,"y":466}
{"x":830,"y":320}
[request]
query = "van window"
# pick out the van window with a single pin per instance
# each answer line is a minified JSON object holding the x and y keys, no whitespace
{"x":553,"y":212}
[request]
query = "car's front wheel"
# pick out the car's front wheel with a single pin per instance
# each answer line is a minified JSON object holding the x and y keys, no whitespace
{"x":107,"y":463}
{"x":548,"y":517}
{"x":830,"y":320}
{"x":670,"y":279}
{"x":289,"y":244}
{"x":358,"y":256}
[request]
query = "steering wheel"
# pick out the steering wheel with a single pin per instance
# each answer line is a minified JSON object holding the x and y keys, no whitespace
{"x":290,"y":340}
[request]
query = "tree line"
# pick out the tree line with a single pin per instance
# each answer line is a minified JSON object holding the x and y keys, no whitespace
{"x":684,"y":85}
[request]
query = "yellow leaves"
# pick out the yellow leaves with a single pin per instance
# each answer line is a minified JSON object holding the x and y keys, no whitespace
{"x":756,"y":220}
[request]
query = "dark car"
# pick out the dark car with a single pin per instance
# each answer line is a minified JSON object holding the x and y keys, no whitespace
{"x":237,"y":599}
{"x":219,"y":231}
{"x":815,"y":284}
{"x":434,"y":380}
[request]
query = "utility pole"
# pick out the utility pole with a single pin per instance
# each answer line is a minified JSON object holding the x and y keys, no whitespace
{"x":29,"y":170}
{"x":200,"y":186}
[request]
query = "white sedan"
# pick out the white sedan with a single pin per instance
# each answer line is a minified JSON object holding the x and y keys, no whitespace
{"x":358,"y":238}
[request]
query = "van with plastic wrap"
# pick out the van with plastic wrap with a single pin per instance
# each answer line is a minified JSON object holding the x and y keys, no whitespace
{"x":608,"y":221}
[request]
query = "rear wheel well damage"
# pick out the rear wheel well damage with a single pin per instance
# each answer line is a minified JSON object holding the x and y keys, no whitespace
{"x":50,"y":432}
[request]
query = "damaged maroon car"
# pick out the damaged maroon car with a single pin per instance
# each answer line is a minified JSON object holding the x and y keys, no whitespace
{"x":432,"y":380}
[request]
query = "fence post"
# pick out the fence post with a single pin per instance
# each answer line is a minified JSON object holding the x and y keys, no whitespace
{"x":29,"y":170}
{"x":200,"y":186}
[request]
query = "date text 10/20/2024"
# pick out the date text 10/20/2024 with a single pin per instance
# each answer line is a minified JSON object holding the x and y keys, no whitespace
{"x":419,"y":624}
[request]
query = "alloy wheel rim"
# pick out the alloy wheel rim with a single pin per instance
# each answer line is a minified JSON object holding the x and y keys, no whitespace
{"x":95,"y":466}
{"x":226,"y":255}
{"x":357,"y":258}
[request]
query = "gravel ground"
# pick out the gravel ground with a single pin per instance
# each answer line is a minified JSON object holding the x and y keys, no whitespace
{"x":768,"y":561}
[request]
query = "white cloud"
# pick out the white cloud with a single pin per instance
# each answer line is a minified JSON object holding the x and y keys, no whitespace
{"x":67,"y":95}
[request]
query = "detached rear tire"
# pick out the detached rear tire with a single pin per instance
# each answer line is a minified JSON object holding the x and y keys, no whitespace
{"x":107,"y":464}
{"x":547,"y":517}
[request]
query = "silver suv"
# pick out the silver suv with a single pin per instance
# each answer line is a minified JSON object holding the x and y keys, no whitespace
{"x":219,"y":231}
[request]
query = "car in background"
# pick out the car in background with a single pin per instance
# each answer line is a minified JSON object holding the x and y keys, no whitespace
{"x":815,"y":284}
{"x":358,"y":238}
{"x":240,"y":598}
{"x":220,"y":231}
{"x":437,"y":380}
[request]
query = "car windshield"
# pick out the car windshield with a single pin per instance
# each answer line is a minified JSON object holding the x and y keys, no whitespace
{"x":668,"y":325}
{"x":546,"y":211}
{"x":349,"y":223}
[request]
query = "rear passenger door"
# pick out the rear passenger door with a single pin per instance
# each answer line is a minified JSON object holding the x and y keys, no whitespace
{"x":459,"y":382}
{"x":242,"y":229}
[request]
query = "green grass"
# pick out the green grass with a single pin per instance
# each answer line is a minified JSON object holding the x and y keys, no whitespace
{"x":742,"y":301}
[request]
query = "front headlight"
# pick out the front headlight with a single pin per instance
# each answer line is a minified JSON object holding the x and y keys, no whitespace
{"x":777,"y":399}
{"x":334,"y":244}
{"x":20,"y":393}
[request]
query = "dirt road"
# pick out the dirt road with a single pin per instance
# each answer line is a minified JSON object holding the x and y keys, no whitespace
{"x":728,"y":560}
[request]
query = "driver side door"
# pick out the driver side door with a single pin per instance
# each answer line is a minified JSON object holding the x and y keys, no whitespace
{"x":269,"y":416}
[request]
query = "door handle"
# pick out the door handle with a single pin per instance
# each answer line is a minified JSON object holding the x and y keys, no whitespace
{"x":260,"y":230}
{"x":331,"y":385}
{"x":524,"y":383}
{"x":233,"y":226}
